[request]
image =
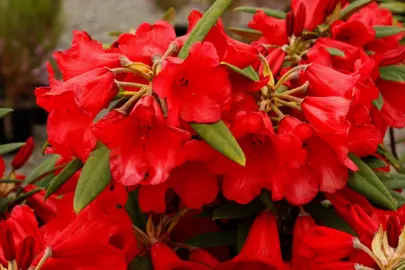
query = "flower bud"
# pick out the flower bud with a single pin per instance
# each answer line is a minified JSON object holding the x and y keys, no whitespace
{"x":7,"y":242}
{"x":393,"y":231}
{"x":23,"y":154}
{"x":290,"y":23}
{"x":26,"y":252}
{"x":392,"y":57}
{"x":299,"y":22}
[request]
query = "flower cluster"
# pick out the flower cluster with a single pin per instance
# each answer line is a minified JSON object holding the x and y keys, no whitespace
{"x":206,"y":152}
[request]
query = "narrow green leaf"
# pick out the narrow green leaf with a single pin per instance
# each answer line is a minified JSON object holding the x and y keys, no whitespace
{"x":244,"y":225}
{"x":374,"y":162}
{"x":114,"y":33}
{"x":42,"y":171}
{"x":326,"y":216}
{"x":221,"y":139}
{"x":10,"y":147}
{"x":367,"y":183}
{"x":70,"y":169}
{"x":4,"y":112}
{"x":381,"y":150}
{"x":246,"y":33}
{"x":213,"y":239}
{"x":95,"y":176}
{"x":244,"y":72}
{"x":386,"y":30}
{"x":395,"y":6}
{"x":204,"y":25}
{"x":399,"y":197}
{"x":232,"y":210}
{"x":141,"y":263}
{"x":379,"y":102}
{"x":138,"y":218}
{"x":217,"y":134}
{"x":251,"y":72}
{"x":392,"y":180}
{"x":169,"y":15}
{"x":335,"y":52}
{"x":268,"y":11}
{"x":25,"y":196}
{"x":352,"y":8}
{"x":393,"y":73}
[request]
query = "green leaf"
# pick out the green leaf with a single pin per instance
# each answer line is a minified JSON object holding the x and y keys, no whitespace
{"x":387,"y":30}
{"x":395,"y":6}
{"x":204,"y":25}
{"x":213,"y":239}
{"x":393,"y":73}
{"x":379,"y":102}
{"x":244,"y":225}
{"x":335,"y":52}
{"x":247,"y":73}
{"x":374,"y":162}
{"x":268,"y":11}
{"x":399,"y":197}
{"x":95,"y":176}
{"x":42,"y":171}
{"x":246,"y":33}
{"x":250,"y":71}
{"x":367,"y":183}
{"x":138,"y":218}
{"x":217,"y":134}
{"x":353,"y":8}
{"x":232,"y":210}
{"x":221,"y":139}
{"x":326,"y":216}
{"x":392,"y":180}
{"x":10,"y":147}
{"x":4,"y":112}
{"x":381,"y":150}
{"x":25,"y":196}
{"x":67,"y":172}
{"x":141,"y":263}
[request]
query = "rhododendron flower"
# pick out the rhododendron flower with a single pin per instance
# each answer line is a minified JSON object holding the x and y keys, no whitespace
{"x":143,"y":156}
{"x":261,"y":249}
{"x":229,"y":50}
{"x":23,"y":154}
{"x":86,"y":54}
{"x":197,"y":89}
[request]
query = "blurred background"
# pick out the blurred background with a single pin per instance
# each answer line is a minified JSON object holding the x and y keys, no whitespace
{"x":30,"y":30}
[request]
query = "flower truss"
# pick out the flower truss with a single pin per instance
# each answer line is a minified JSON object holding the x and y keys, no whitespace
{"x":207,"y":152}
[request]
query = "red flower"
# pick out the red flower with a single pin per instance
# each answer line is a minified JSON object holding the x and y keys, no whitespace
{"x":353,"y":32}
{"x":147,"y":41}
{"x":192,"y":181}
{"x":328,"y":244}
{"x":69,"y":133}
{"x":85,"y":55}
{"x":274,"y":30}
{"x":275,"y":60}
{"x":23,"y":154}
{"x":229,"y":50}
{"x":314,"y":11}
{"x":142,"y":155}
{"x":261,"y":249}
{"x":269,"y":157}
{"x":91,"y":92}
{"x":197,"y":89}
{"x":165,"y":258}
{"x":327,"y":114}
{"x":301,"y":257}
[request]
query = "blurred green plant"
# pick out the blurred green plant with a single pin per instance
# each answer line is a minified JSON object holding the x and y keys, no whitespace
{"x":29,"y":32}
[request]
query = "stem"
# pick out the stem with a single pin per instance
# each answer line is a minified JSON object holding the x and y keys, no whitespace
{"x":267,"y":70}
{"x":47,"y":255}
{"x":292,"y":73}
{"x":129,"y":84}
{"x":142,"y":236}
{"x":12,"y":265}
{"x":359,"y":245}
{"x":124,"y":108}
{"x":277,"y":111}
{"x":284,"y":96}
{"x":392,"y":143}
{"x":301,"y":88}
{"x":292,"y":105}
